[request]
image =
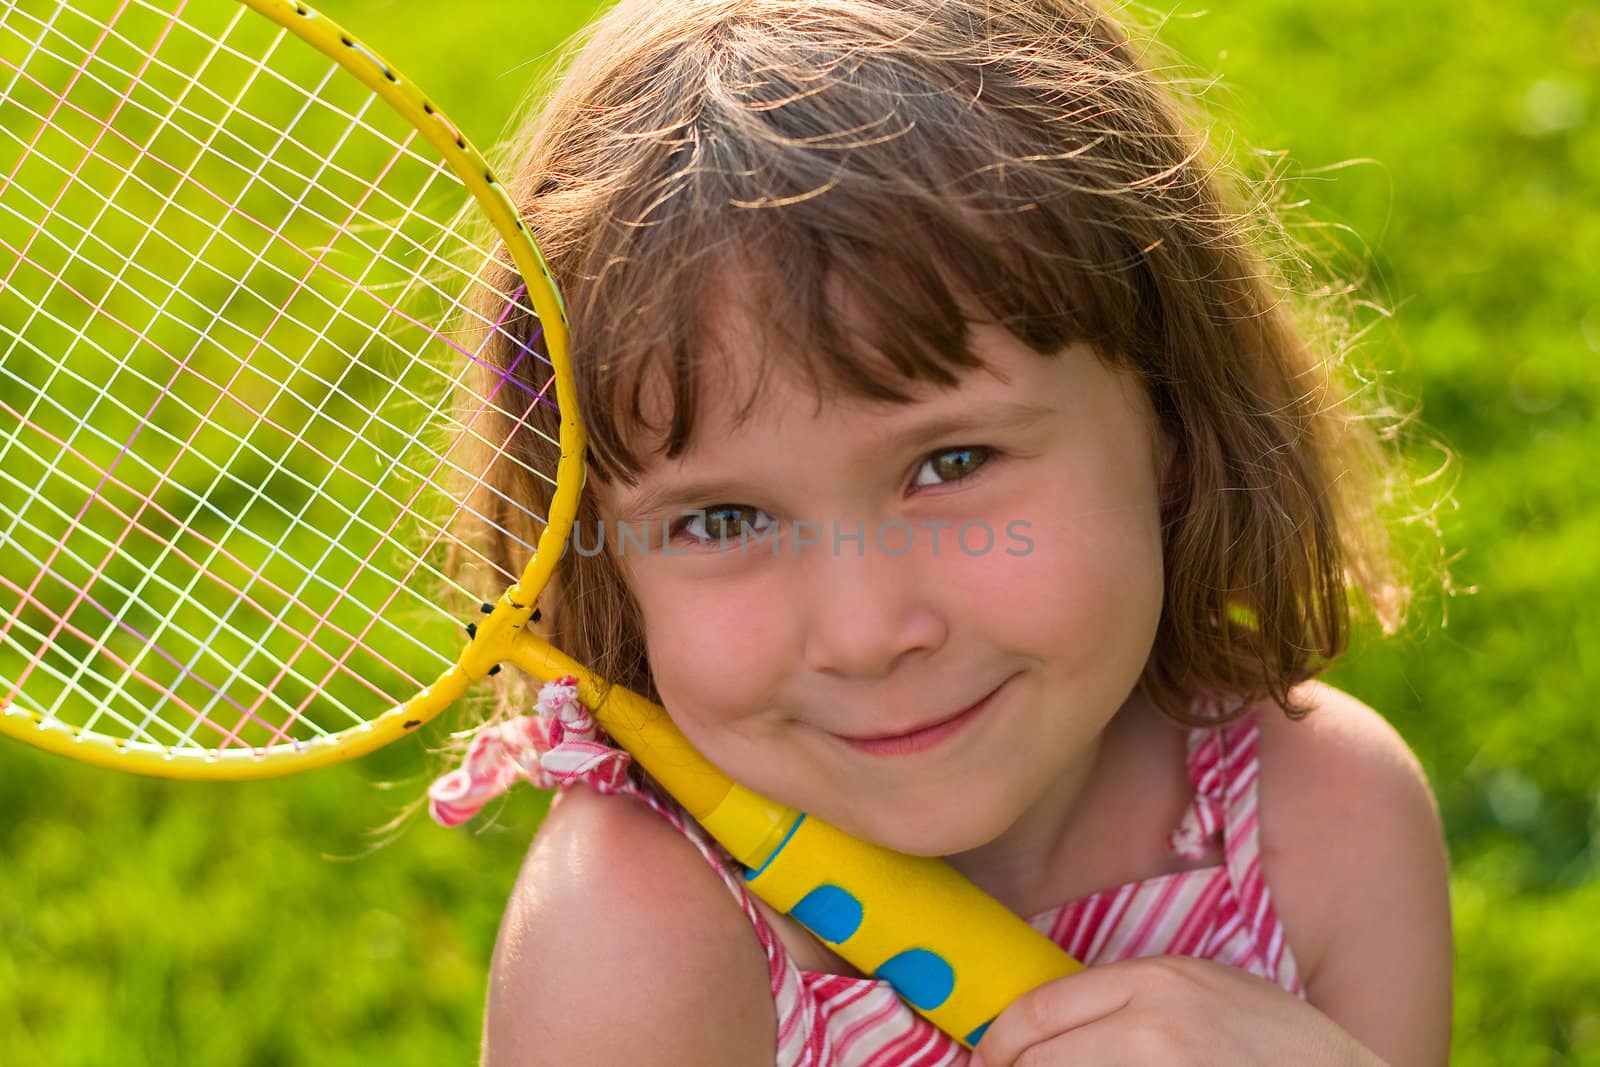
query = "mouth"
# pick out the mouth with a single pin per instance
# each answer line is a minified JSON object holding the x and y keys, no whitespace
{"x":922,"y":738}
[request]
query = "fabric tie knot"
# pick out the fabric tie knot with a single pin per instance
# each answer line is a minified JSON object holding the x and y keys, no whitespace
{"x":1201,"y":828}
{"x":556,"y":746}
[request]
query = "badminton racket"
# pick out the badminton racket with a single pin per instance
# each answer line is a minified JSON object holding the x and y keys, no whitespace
{"x":243,"y":422}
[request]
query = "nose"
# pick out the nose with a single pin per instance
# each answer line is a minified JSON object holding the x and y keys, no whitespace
{"x":868,"y":613}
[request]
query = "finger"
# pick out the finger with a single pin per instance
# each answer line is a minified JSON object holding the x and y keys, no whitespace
{"x":1054,"y":1008}
{"x":1096,"y":1044}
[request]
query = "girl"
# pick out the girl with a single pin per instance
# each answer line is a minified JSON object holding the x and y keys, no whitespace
{"x":994,"y":507}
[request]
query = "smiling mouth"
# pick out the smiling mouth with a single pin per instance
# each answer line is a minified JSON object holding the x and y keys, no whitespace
{"x":922,"y":737}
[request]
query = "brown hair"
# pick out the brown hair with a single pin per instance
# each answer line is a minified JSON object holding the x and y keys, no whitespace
{"x":930,"y":157}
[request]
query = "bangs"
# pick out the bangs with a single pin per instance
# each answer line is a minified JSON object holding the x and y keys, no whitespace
{"x":846,"y":316}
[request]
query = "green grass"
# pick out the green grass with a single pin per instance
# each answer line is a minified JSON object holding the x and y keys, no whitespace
{"x":145,"y":922}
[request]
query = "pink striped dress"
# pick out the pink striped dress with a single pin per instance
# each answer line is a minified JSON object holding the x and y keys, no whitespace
{"x":1221,"y":913}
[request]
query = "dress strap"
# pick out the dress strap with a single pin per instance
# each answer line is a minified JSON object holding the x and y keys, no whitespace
{"x":1215,"y":775}
{"x":1224,"y":769}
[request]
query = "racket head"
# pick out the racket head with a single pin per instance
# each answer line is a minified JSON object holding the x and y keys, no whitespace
{"x":241,"y":301}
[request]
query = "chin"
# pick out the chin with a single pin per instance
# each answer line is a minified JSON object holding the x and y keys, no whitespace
{"x":939,"y":835}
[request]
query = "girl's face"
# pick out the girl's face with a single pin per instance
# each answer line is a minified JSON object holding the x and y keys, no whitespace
{"x":897,"y":565}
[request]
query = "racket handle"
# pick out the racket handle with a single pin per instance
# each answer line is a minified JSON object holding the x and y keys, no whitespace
{"x":950,"y":950}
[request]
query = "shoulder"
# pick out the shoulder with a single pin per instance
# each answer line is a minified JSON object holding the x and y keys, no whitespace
{"x":1353,"y":853}
{"x":1342,"y":758}
{"x":620,"y":945}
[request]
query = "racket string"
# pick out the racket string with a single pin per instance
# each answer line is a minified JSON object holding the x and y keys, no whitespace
{"x":455,"y":303}
{"x":288,"y":84}
{"x":189,"y":562}
{"x":96,"y":572}
{"x":192,"y":444}
{"x":144,"y":503}
{"x":408,"y":394}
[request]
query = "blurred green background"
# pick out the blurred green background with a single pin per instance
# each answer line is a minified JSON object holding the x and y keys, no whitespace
{"x":145,"y":922}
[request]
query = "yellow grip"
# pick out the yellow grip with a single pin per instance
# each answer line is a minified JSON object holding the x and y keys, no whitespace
{"x":953,"y":952}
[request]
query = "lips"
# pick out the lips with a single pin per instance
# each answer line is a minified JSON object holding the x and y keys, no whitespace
{"x":890,"y":735}
{"x":923,"y":737}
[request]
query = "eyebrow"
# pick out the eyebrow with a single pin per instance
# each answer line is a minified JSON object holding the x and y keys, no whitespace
{"x":675,"y":497}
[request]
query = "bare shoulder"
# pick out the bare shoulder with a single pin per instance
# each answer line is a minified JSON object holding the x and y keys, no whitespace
{"x":621,"y":946}
{"x":1353,"y":853}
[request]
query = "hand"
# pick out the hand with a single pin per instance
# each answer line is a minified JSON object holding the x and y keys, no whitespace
{"x":1168,"y":1010}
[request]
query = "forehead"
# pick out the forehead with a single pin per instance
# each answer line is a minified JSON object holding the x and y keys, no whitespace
{"x":786,"y":442}
{"x":757,"y":363}
{"x":759,"y":348}
{"x":751,"y":404}
{"x":701,"y":357}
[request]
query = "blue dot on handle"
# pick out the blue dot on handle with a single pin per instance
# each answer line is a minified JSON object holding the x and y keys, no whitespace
{"x":977,"y":1035}
{"x":829,"y":912}
{"x":920,"y":976}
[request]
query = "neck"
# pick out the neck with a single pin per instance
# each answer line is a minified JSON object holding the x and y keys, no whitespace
{"x":1059,"y":848}
{"x":1019,"y":868}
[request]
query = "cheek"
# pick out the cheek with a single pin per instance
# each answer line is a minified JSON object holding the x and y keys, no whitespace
{"x":717,"y":648}
{"x":1089,"y":577}
{"x":1067,"y":582}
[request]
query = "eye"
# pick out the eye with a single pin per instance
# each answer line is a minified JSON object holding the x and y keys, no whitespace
{"x":951,"y":465}
{"x":725,"y":522}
